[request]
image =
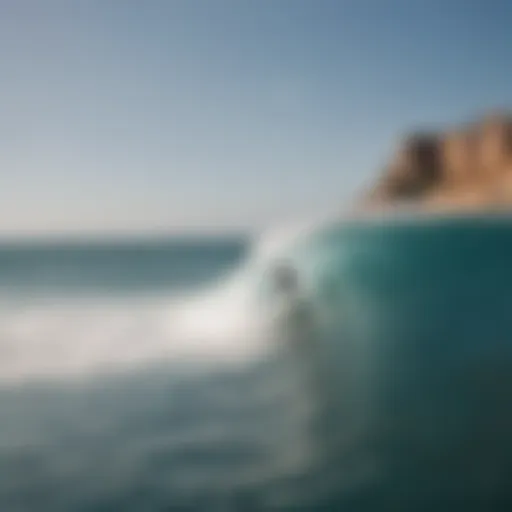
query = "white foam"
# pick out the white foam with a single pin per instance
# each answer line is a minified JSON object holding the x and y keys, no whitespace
{"x":73,"y":337}
{"x":226,"y":314}
{"x":78,"y":338}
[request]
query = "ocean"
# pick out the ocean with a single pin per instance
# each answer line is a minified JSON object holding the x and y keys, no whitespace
{"x":163,"y":375}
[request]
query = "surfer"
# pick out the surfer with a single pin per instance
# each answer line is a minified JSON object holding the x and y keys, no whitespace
{"x":286,"y":280}
{"x":298,"y":334}
{"x":294,"y":313}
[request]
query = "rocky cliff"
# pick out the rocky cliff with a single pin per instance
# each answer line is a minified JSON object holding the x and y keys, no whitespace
{"x":467,"y":167}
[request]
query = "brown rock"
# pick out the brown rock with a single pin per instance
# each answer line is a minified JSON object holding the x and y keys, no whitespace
{"x":469,"y":167}
{"x":458,"y":157}
{"x":495,"y":143}
{"x":413,"y":169}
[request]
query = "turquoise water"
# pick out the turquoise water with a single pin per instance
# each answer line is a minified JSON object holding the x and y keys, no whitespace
{"x":119,"y":393}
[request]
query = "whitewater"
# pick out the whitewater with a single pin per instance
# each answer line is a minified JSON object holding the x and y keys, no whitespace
{"x":68,"y":334}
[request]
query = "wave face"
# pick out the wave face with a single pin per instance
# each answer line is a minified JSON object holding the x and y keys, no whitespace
{"x":129,"y":385}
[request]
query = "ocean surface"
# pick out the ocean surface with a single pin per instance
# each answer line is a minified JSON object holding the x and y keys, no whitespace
{"x":164,"y":375}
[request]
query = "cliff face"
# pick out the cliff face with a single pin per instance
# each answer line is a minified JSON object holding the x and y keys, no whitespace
{"x":469,"y":167}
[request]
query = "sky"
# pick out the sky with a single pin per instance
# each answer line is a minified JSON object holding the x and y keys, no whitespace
{"x":215,"y":115}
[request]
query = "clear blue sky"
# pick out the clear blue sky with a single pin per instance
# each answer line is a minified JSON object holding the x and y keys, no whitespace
{"x":226,"y":114}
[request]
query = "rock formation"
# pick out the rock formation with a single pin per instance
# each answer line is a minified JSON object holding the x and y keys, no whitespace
{"x":469,"y":167}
